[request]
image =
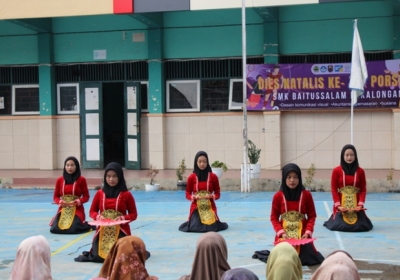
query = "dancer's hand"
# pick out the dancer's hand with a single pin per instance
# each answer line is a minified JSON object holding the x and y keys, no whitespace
{"x":305,"y":236}
{"x":284,"y":236}
{"x":100,"y":217}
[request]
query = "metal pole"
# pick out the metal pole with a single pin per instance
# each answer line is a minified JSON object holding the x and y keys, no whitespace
{"x":246,"y":179}
{"x":351,"y":118}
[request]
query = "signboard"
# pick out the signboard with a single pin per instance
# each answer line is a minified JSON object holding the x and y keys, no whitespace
{"x":320,"y":86}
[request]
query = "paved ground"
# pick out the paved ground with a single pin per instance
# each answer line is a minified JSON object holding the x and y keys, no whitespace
{"x":25,"y":213}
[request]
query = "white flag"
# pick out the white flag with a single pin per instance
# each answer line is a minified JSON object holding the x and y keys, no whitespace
{"x":359,"y":73}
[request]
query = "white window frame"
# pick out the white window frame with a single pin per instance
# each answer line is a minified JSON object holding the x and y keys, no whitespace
{"x":146,"y":110}
{"x":13,"y":100}
{"x":232,"y":105}
{"x":197,"y":109}
{"x":59,"y":110}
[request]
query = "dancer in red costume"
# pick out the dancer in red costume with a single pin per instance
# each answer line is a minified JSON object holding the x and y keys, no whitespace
{"x":293,"y":214}
{"x":349,"y":190}
{"x":70,"y":193}
{"x":113,"y":201}
{"x":202,"y":189}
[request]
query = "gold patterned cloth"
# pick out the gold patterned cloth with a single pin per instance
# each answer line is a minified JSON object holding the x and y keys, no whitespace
{"x":108,"y":235}
{"x":293,"y":226}
{"x":67,"y":212}
{"x":349,"y":201}
{"x":204,"y":208}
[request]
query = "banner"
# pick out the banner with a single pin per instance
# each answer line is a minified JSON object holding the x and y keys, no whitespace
{"x":320,"y":86}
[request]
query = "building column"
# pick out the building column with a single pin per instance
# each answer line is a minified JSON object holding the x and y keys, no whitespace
{"x":47,"y":103}
{"x":156,"y":99}
{"x":271,"y":40}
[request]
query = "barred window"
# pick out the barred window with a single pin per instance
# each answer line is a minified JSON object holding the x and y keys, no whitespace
{"x":25,"y":100}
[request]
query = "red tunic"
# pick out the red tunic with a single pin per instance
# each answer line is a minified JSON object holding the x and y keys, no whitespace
{"x":304,"y":205}
{"x":193,"y":186}
{"x":340,"y":180}
{"x":78,"y":188}
{"x":124,"y":203}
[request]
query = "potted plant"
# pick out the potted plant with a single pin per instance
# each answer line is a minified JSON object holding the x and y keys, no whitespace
{"x":218,"y":167}
{"x":152,"y":173}
{"x":180,"y":174}
{"x":253,"y":154}
{"x":309,"y":180}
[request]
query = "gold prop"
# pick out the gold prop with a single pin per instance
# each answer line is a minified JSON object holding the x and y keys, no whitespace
{"x":206,"y":213}
{"x":349,"y":201}
{"x":108,"y":234}
{"x":292,"y":224}
{"x":67,"y":212}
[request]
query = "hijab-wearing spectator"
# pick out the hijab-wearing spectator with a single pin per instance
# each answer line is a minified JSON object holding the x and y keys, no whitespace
{"x":239,"y":273}
{"x":339,"y":265}
{"x":126,"y":260}
{"x":211,"y":258}
{"x":33,"y":260}
{"x":284,"y":263}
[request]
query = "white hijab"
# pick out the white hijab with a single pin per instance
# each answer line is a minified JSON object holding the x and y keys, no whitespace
{"x":33,"y":260}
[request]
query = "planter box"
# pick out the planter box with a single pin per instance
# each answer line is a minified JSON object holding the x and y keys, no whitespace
{"x":152,"y":188}
{"x":217,"y":171}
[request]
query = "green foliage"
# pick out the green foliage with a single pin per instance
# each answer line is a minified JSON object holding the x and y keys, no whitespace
{"x":219,"y":164}
{"x":180,"y":171}
{"x":310,"y":176}
{"x":252,"y":152}
{"x":152,"y":173}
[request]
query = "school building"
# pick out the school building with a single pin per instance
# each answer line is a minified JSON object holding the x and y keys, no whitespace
{"x":151,"y":82}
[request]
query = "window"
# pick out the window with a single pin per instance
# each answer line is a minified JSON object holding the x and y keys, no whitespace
{"x":214,"y":95}
{"x":68,"y":99}
{"x":5,"y":100}
{"x":183,"y":96}
{"x":25,"y":100}
{"x":236,"y":94}
{"x":144,"y":95}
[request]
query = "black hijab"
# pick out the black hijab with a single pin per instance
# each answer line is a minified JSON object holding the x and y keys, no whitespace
{"x":349,"y":169}
{"x":71,"y":178}
{"x":113,"y":192}
{"x":202,"y":175}
{"x":291,"y":194}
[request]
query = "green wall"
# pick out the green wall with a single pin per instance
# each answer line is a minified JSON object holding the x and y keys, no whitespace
{"x":79,"y":47}
{"x":329,"y":27}
{"x":18,"y":49}
{"x":317,"y":28}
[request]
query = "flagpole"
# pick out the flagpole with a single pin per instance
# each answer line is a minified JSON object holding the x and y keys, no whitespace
{"x":351,"y":93}
{"x":245,"y":178}
{"x":351,"y":119}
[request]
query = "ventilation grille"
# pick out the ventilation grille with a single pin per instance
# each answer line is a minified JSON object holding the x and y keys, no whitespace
{"x":198,"y":69}
{"x":19,"y":75}
{"x":102,"y":72}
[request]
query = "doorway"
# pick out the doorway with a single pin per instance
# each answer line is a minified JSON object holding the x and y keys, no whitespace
{"x":113,"y":123}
